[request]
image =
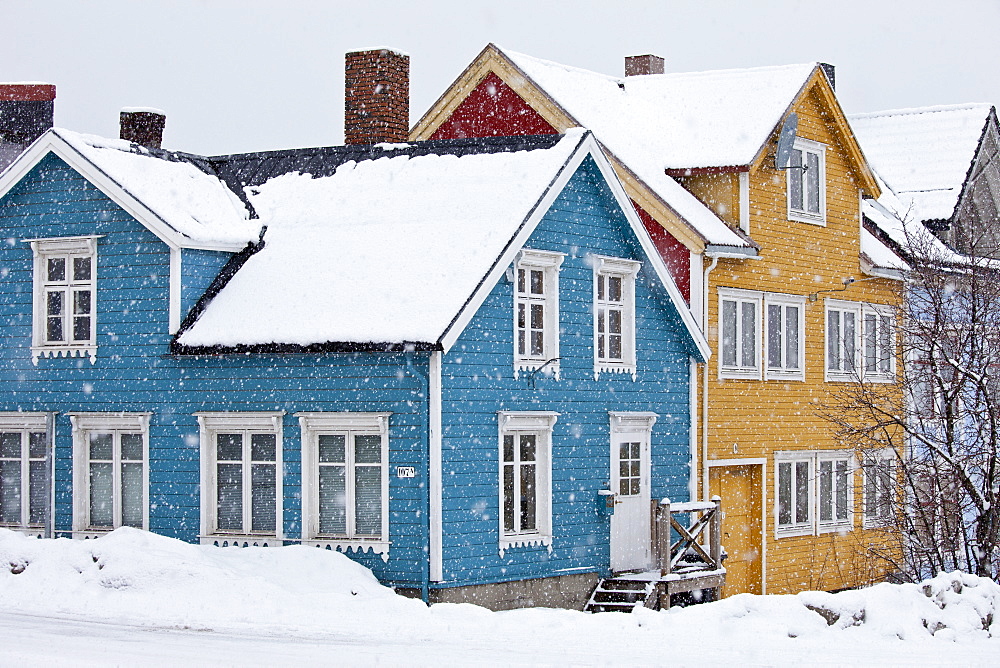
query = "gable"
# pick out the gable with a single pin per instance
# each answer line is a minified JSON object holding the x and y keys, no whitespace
{"x":493,"y":109}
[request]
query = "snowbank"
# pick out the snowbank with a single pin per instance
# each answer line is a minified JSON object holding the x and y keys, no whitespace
{"x":141,"y":579}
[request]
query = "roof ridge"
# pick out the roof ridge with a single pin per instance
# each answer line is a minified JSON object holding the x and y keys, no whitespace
{"x":916,"y":111}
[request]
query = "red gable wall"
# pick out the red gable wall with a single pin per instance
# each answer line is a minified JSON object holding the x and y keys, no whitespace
{"x":494,"y":109}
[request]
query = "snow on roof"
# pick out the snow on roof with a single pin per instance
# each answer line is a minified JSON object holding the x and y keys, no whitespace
{"x":195,"y":204}
{"x":881,"y":255}
{"x":385,"y":250}
{"x":657,"y":122}
{"x":923,"y":154}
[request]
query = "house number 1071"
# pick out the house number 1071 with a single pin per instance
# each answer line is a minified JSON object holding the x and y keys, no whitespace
{"x":406,"y":472}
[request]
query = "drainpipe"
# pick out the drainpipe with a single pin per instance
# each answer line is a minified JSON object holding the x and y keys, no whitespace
{"x":424,"y":379}
{"x":704,"y":387}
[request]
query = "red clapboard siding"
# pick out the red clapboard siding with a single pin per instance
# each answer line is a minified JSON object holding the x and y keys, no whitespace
{"x":674,"y":254}
{"x":493,"y":109}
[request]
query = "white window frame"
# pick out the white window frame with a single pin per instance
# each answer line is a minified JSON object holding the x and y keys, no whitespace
{"x":116,"y":423}
{"x":784,"y":302}
{"x":874,"y":463}
{"x":740,"y":298}
{"x":625,"y":270}
{"x":539,"y":423}
{"x":314,"y":425}
{"x":67,"y":248}
{"x":210,"y":425}
{"x":814,"y":525}
{"x":548,"y":263}
{"x":26,"y":424}
{"x":861,"y":368}
{"x":803,"y":215}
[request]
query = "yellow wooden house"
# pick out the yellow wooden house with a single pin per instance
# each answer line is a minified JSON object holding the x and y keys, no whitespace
{"x":796,"y":301}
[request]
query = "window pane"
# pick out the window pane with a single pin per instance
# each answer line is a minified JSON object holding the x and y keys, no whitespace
{"x":885,"y":345}
{"x":332,"y":500}
{"x":527,"y":442}
{"x":38,"y":445}
{"x":230,"y":447}
{"x":37,"y":492}
{"x":537,"y":281}
{"x":614,"y":288}
{"x":528,"y":505}
{"x":601,"y":280}
{"x":131,"y":447}
{"x":10,"y":492}
{"x":850,"y":333}
{"x":520,"y":280}
{"x":749,"y":334}
{"x":367,"y":449}
{"x":785,"y":493}
{"x":833,"y":362}
{"x":795,"y":179}
{"x":10,"y":445}
{"x":101,"y":446}
{"x":508,"y":447}
{"x":729,"y":333}
{"x":801,"y":492}
{"x":508,"y":497}
{"x":791,"y":337}
{"x":842,"y":481}
{"x":263,"y":447}
{"x":56,"y":269}
{"x":615,"y":347}
{"x":54,"y":323}
{"x":332,"y":448}
{"x":81,"y":269}
{"x":263,"y":497}
{"x":101,"y":499}
{"x":871,"y":340}
{"x":81,"y":302}
{"x":81,"y":329}
{"x":871,"y":477}
{"x":813,"y":180}
{"x":825,"y":491}
{"x":368,"y":500}
{"x":230,"y":497}
{"x":614,"y":321}
{"x":132,"y":495}
{"x":774,"y":336}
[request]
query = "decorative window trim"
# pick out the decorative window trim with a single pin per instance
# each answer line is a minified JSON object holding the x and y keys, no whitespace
{"x":42,"y":249}
{"x":83,"y":424}
{"x":549,"y":263}
{"x":872,"y":463}
{"x":541,"y":423}
{"x":862,"y":312}
{"x":626,"y":270}
{"x":783,"y":300}
{"x":813,"y":526}
{"x":802,"y":215}
{"x":739,"y":297}
{"x":313,"y":425}
{"x":25,"y":424}
{"x":210,"y":423}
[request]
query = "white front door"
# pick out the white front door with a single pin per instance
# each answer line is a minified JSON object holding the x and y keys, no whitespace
{"x":630,"y":523}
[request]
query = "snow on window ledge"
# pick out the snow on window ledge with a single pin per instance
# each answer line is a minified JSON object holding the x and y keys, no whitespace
{"x":345,"y":545}
{"x":236,"y":540}
{"x":63,"y":351}
{"x":525,"y":540}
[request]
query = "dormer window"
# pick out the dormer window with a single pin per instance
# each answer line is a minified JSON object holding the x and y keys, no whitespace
{"x":806,"y":176}
{"x":65,"y":297}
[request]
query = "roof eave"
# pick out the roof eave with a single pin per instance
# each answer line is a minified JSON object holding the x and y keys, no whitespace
{"x":328,"y":347}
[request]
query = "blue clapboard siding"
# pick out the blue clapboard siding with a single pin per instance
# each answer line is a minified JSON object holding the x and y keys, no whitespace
{"x":133,"y":373}
{"x":478,"y":380}
{"x":198,"y":269}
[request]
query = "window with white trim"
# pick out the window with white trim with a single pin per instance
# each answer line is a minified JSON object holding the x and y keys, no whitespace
{"x":860,"y":342}
{"x":739,"y":317}
{"x":879,"y":469}
{"x":525,"y":478}
{"x":110,"y":471}
{"x":813,"y":492}
{"x":806,"y":176}
{"x":24,"y":471}
{"x":65,"y":297}
{"x":614,"y":315}
{"x":536,"y":310}
{"x":784,"y":326}
{"x":241,"y":474}
{"x":345,"y":472}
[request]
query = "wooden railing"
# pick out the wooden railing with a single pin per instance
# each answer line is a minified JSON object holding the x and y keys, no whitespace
{"x":692,"y":551}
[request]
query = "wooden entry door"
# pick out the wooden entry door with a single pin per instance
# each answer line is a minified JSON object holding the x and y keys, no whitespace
{"x":740,"y":489}
{"x":630,"y":523}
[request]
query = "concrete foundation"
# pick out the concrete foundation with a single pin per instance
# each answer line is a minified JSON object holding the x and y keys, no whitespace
{"x":565,"y":591}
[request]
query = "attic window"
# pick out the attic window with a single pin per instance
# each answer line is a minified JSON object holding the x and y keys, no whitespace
{"x":806,"y":176}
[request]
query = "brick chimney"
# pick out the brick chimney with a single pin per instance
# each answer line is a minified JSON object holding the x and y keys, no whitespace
{"x":26,"y":111}
{"x":645,"y":64}
{"x":142,"y":126}
{"x":376,"y":96}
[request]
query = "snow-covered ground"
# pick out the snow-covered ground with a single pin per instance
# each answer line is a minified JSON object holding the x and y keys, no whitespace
{"x":134,"y":598}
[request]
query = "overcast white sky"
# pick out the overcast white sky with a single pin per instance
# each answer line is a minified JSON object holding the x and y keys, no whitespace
{"x":247,"y":75}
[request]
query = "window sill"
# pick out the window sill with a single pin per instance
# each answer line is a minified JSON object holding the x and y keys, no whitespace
{"x":356,"y":545}
{"x":63,"y":351}
{"x":839,"y":527}
{"x":241,"y":540}
{"x":739,"y":374}
{"x":804,"y":217}
{"x":774,"y":374}
{"x":793,"y":532}
{"x":525,"y":540}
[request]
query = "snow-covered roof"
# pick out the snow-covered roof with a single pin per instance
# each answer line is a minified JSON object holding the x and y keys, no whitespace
{"x":881,"y":256}
{"x":923,"y":154}
{"x":383,"y":250}
{"x":196,"y":205}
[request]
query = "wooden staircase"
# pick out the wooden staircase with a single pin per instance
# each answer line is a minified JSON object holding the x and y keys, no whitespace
{"x":621,"y":594}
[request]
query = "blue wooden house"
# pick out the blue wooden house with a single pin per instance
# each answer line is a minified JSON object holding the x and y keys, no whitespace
{"x":447,"y":359}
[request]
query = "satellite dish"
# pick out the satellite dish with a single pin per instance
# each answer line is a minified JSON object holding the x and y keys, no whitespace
{"x":785,"y":141}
